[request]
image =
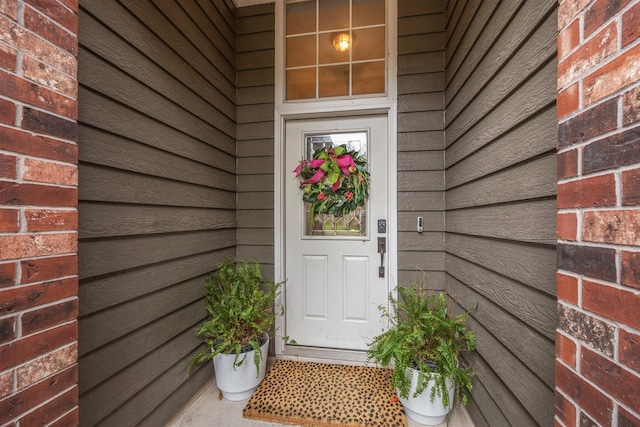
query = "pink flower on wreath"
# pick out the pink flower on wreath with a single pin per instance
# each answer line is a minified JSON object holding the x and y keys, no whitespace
{"x":322,"y":197}
{"x":349,"y":195}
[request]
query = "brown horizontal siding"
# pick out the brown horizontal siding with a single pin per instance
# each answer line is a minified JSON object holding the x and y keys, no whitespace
{"x":500,"y":200}
{"x":255,"y":133}
{"x":157,"y":197}
{"x":421,"y":141}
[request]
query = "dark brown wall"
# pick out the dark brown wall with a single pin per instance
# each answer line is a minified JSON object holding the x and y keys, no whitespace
{"x":256,"y":91}
{"x":421,"y":188}
{"x":157,"y":197}
{"x":500,"y":200}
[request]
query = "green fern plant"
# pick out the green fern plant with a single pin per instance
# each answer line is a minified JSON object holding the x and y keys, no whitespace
{"x":423,"y":335}
{"x":240,"y":304}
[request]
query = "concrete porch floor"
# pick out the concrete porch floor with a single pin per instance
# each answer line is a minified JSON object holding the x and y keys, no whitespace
{"x":207,"y":410}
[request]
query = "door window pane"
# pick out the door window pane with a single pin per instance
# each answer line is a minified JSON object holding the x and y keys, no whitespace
{"x":301,"y":83}
{"x":333,"y":81}
{"x":301,"y":51}
{"x":368,"y":43}
{"x":352,"y":224}
{"x":301,"y":17}
{"x":333,"y":15}
{"x":368,"y":77}
{"x":368,"y":12}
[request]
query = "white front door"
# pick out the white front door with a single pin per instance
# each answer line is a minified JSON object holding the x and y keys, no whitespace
{"x":332,"y":264}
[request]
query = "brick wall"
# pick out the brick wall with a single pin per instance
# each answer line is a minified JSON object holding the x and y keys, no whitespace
{"x":598,"y":227}
{"x":38,"y":216}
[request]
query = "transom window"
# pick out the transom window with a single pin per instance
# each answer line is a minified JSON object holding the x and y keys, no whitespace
{"x":335,"y":48}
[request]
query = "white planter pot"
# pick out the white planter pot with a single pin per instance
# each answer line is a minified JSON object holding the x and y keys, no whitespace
{"x":241,"y":382}
{"x":421,"y":408}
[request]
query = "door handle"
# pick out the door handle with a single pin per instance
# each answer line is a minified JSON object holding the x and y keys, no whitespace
{"x":382,"y":248}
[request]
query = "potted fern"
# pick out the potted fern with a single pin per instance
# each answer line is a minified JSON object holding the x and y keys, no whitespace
{"x":240,"y":304}
{"x":424,"y":343}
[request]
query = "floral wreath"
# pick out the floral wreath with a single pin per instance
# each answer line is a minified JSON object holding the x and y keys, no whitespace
{"x":335,"y":181}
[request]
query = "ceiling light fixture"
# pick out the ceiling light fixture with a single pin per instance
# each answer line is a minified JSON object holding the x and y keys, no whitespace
{"x":341,"y":42}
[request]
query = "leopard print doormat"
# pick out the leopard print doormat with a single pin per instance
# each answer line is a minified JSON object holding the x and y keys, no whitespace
{"x":322,"y":395}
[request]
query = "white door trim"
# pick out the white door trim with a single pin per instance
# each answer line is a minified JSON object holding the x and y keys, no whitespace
{"x":279,"y":216}
{"x":357,"y":106}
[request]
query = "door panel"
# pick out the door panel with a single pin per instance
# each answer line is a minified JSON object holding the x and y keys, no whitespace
{"x":332,"y":263}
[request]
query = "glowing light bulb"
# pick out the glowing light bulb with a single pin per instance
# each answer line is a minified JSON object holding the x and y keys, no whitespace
{"x":342,"y":42}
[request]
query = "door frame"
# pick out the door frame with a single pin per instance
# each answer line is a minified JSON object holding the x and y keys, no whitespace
{"x":388,"y":109}
{"x":283,"y":111}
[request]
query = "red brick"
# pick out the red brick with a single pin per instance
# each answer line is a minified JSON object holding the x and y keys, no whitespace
{"x":8,"y":58}
{"x":625,"y":419}
{"x":566,"y":350}
{"x":593,"y":122}
{"x":9,"y":220}
{"x":630,"y":269}
{"x":569,"y":10}
{"x":46,"y":27}
{"x":586,"y":396}
{"x":567,"y":226}
{"x":9,"y":8}
{"x":600,"y":12}
{"x":12,"y":193}
{"x":35,"y":245}
{"x":620,"y":149}
{"x":7,"y":329}
{"x":568,"y":39}
{"x":631,"y":25}
{"x":16,"y":405}
{"x":631,"y":104}
{"x":586,"y":421}
{"x":41,"y":269}
{"x":618,"y":382}
{"x":6,"y":384}
{"x":596,"y":262}
{"x":565,"y":410}
{"x":597,"y":333}
{"x":51,"y":220}
{"x":629,"y":350}
{"x":587,"y":192}
{"x":49,"y":77}
{"x":44,"y":123}
{"x":14,"y":300}
{"x":567,"y":164}
{"x":72,"y":419}
{"x":33,"y":94}
{"x":8,"y":166}
{"x":52,"y":410}
{"x":44,"y":366}
{"x":35,"y":46}
{"x":49,"y":173}
{"x":620,"y":227}
{"x":613,"y":303}
{"x":568,"y":100}
{"x":588,"y":55}
{"x":567,"y":288}
{"x":24,"y":349}
{"x":631,"y":187}
{"x":47,"y":317}
{"x":611,"y":77}
{"x":53,"y":9}
{"x":7,"y":112}
{"x":7,"y":274}
{"x":22,"y":142}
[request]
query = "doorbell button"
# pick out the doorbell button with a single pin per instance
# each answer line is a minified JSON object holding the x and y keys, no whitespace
{"x":420,"y":224}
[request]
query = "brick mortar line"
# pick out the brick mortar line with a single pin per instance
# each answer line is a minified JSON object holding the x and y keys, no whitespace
{"x":605,"y":61}
{"x":596,"y":316}
{"x":586,"y":243}
{"x":616,"y":402}
{"x":65,"y":414}
{"x":584,"y":109}
{"x":570,"y":400}
{"x":599,"y":174}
